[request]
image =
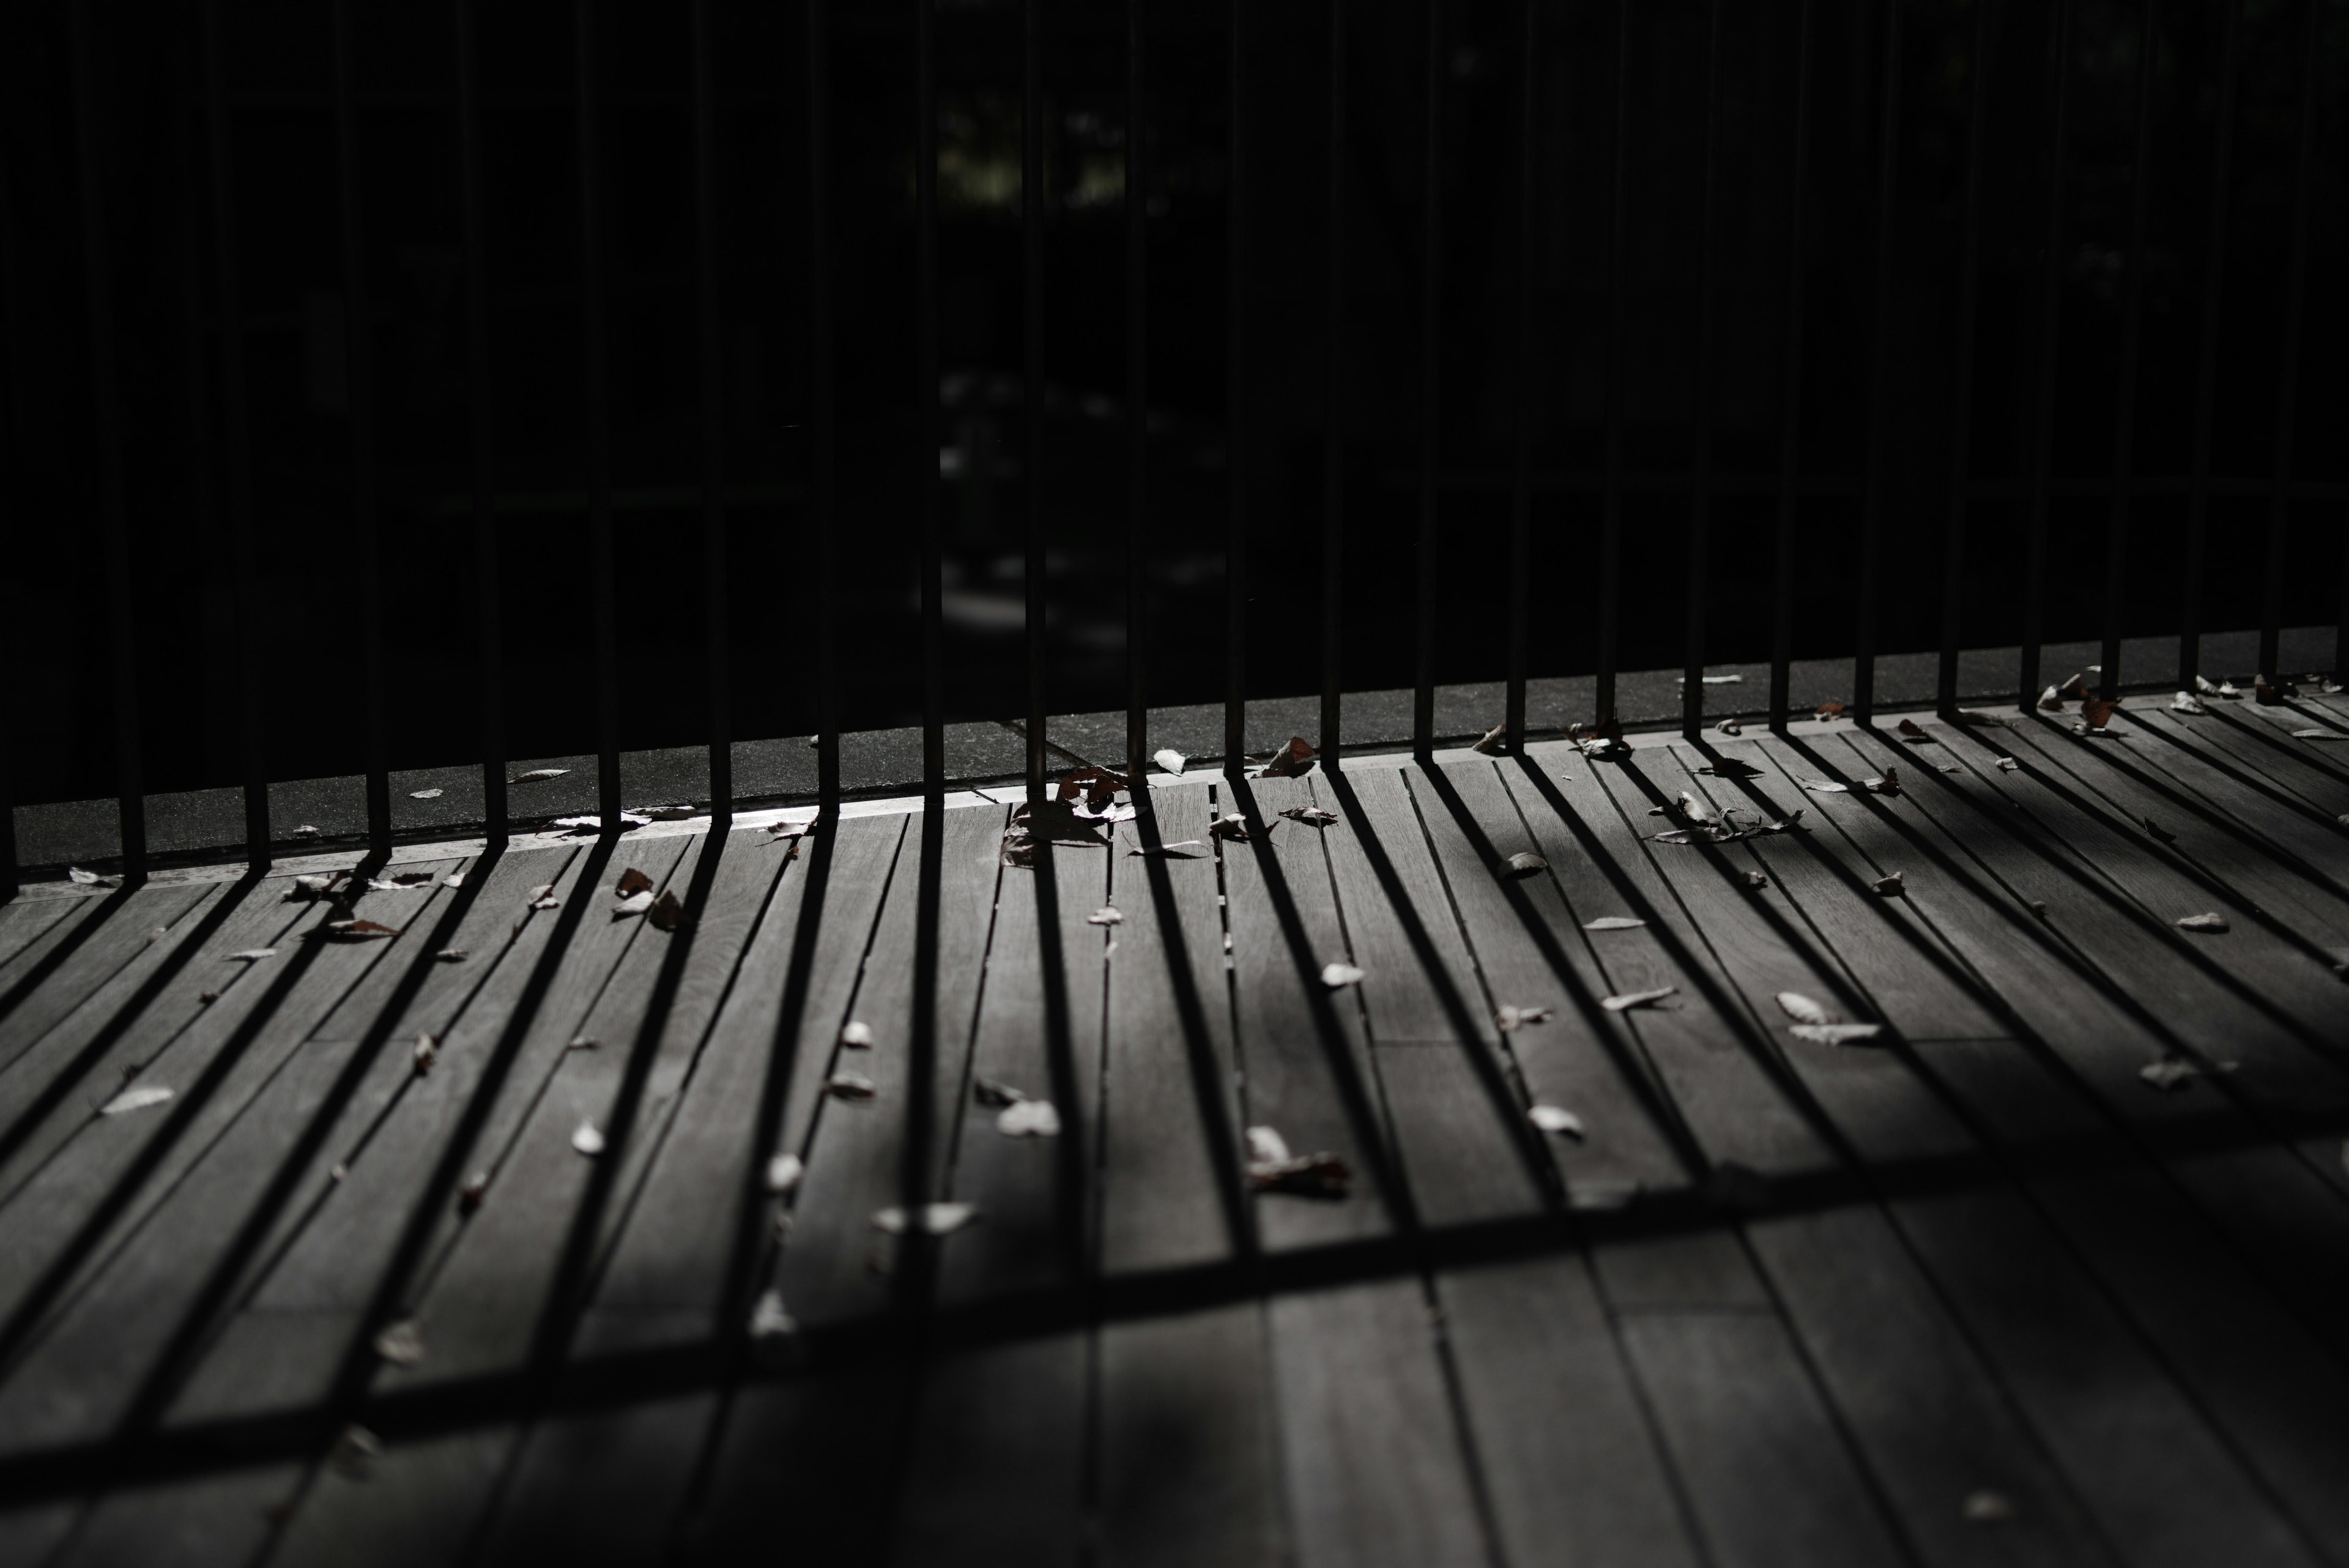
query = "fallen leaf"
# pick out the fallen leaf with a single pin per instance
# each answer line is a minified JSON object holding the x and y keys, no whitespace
{"x":452,"y":955}
{"x":1028,"y":1118}
{"x":2212,"y":923}
{"x":1987,"y":720}
{"x":1294,"y":760}
{"x":1525,"y":863}
{"x":2052,"y":700}
{"x":1889,"y":784}
{"x":424,"y":795}
{"x":2159,"y":833}
{"x":158,"y":934}
{"x":783,"y":1173}
{"x":1105,"y":916}
{"x":1613,"y":924}
{"x":208,"y":997}
{"x":2169,"y":1072}
{"x":1730,"y":768}
{"x":1803,"y":1010}
{"x":1730,"y":727}
{"x":1825,"y":786}
{"x":1637,"y":999}
{"x":1698,"y":810}
{"x":2008,"y":765}
{"x":1827,"y":711}
{"x":1890,"y":885}
{"x":307,"y":830}
{"x":1317,"y":1175}
{"x":2185,"y":703}
{"x":402,"y":1342}
{"x":2096,"y":712}
{"x":1169,"y":851}
{"x":538,"y":775}
{"x":134,"y":1100}
{"x":1311,"y":816}
{"x":666,"y":914}
{"x":2265,"y":694}
{"x":1170,"y":760}
{"x":927,"y":1219}
{"x":632,"y":881}
{"x":1231,"y":826}
{"x":356,"y":930}
{"x":1835,"y":1034}
{"x":1914,"y":733}
{"x":544,"y":898}
{"x":1495,"y":742}
{"x":475,"y":1188}
{"x":356,"y":1451}
{"x":87,"y":879}
{"x":1986,"y":1508}
{"x":454,"y":879}
{"x":1555,"y":1119}
{"x":587,"y":1138}
{"x":306,"y":888}
{"x":857,"y":1035}
{"x":1334,"y":975}
{"x":791,"y":829}
{"x":2078,"y":685}
{"x":1509,"y":1019}
{"x":770,"y":1324}
{"x":252,"y":955}
{"x":634,"y":904}
{"x":426,"y":1053}
{"x":1095,"y":786}
{"x":583,"y":1043}
{"x":1787,"y":825}
{"x":2320,"y":735}
{"x":849,"y":1087}
{"x":1755,"y":879}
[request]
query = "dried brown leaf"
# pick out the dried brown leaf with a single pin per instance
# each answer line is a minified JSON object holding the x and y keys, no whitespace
{"x":666,"y":914}
{"x":1292,"y":761}
{"x":1629,"y":1000}
{"x":1495,"y":742}
{"x":538,"y":775}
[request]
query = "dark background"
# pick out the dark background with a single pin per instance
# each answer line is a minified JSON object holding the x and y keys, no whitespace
{"x":296,"y":318}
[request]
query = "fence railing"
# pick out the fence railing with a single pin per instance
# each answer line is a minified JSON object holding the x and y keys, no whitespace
{"x":1552,"y":50}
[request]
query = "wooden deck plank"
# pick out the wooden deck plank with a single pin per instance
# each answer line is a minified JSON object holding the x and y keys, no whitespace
{"x":2249,"y":1181}
{"x":835,"y":1439}
{"x":86,"y":1051}
{"x":1881,"y":1104}
{"x":1170,"y":1137}
{"x":1376,"y":1469}
{"x":2287,"y":848}
{"x":25,"y":922}
{"x":1930,"y":1417}
{"x":613,"y":1480}
{"x":64,"y":973}
{"x":508,"y":1288}
{"x":101,"y":1184}
{"x":1186,"y":1452}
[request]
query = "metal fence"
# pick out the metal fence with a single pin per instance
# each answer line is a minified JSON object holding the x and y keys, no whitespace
{"x":2297,"y":166}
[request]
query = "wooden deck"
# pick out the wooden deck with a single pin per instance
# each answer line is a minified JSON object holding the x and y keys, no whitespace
{"x":1976,"y":1291}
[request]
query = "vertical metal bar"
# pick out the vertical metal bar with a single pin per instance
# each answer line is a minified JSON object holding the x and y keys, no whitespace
{"x":1137,"y":405}
{"x":1521,"y":497}
{"x":366,"y":516}
{"x":2051,"y":309}
{"x":22,"y":461}
{"x":1782,"y":628}
{"x":716,"y":637}
{"x":487,"y":610}
{"x":1032,"y":376}
{"x":598,"y":389}
{"x":1953,"y":552}
{"x":228,"y":314}
{"x":1430,"y":387}
{"x":106,"y":437}
{"x":1879,"y":379}
{"x":1235,"y":417}
{"x":2288,"y":372}
{"x":926,"y":459}
{"x":1333,"y":392}
{"x":823,"y":510}
{"x":2124,"y":395}
{"x":2198,"y":507}
{"x":1610,"y":525}
{"x":1701,"y":490}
